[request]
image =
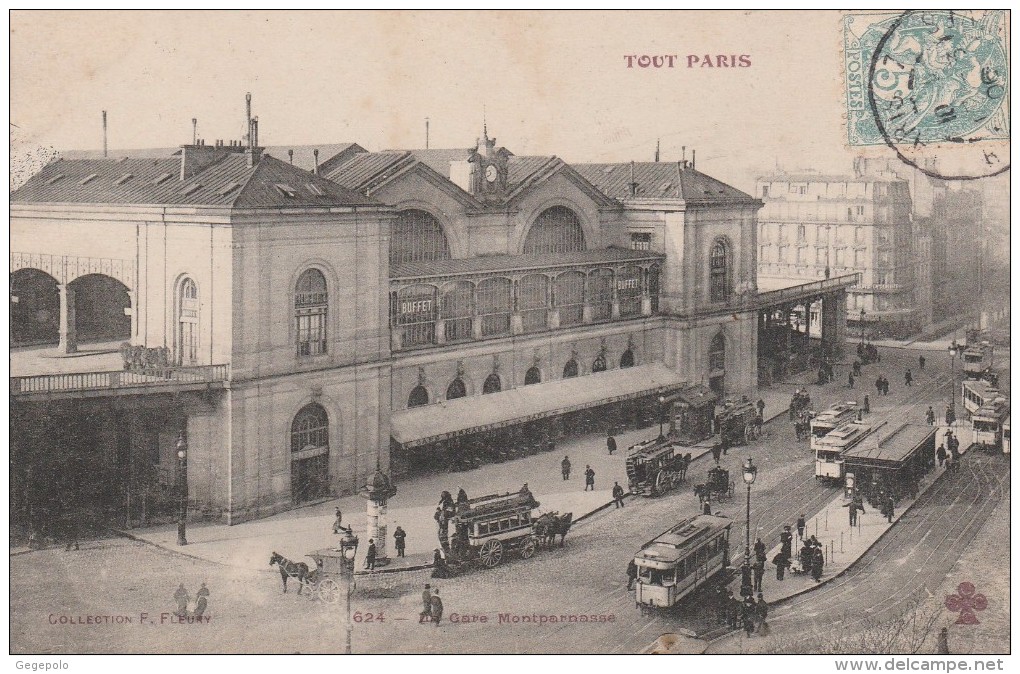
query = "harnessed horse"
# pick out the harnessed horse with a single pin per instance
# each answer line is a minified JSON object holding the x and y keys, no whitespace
{"x":289,"y":569}
{"x":549,"y":525}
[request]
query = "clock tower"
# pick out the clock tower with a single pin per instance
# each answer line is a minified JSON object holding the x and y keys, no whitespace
{"x":489,"y":168}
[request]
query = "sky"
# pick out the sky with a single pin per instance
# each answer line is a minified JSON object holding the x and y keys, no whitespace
{"x":545,"y":83}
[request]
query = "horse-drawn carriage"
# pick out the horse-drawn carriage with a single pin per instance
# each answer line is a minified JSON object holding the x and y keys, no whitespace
{"x":718,"y":486}
{"x":739,"y":423}
{"x":654,"y":467}
{"x":322,"y":582}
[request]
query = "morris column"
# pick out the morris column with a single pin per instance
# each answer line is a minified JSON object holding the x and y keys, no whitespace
{"x":378,"y":491}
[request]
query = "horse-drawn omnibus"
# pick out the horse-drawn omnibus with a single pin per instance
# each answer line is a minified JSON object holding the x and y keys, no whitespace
{"x":680,"y":560}
{"x":829,"y":420}
{"x":654,"y":467}
{"x":978,"y":357}
{"x":738,"y":423}
{"x":829,"y":450}
{"x":485,"y":529}
{"x":991,"y":424}
{"x":976,"y":393}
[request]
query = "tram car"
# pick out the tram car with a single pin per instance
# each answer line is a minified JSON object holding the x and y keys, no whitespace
{"x":976,"y":393}
{"x":655,"y":467}
{"x":991,"y":422}
{"x":829,"y":450}
{"x":738,"y":423}
{"x":829,"y":420}
{"x":691,"y":413}
{"x":977,"y":359}
{"x":680,"y":560}
{"x":487,"y":528}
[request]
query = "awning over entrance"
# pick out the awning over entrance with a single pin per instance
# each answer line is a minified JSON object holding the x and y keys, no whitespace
{"x":450,"y":418}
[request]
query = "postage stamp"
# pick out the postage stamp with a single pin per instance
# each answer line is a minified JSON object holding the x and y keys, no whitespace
{"x":923,"y":80}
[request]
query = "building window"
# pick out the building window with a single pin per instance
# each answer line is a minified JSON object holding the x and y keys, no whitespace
{"x":532,"y":299}
{"x":570,"y":369}
{"x":858,"y":234}
{"x":628,"y":291}
{"x":310,"y":301}
{"x":802,"y":189}
{"x":627,"y":359}
{"x":569,"y":297}
{"x":781,"y":233}
{"x":309,"y":445}
{"x":719,"y":271}
{"x":555,"y":230}
{"x":764,"y":191}
{"x":492,"y":384}
{"x":419,"y":396}
{"x":532,"y":376}
{"x":310,"y":429}
{"x":782,"y":253}
{"x":457,"y":312}
{"x":801,"y":232}
{"x":653,"y":287}
{"x":600,"y":299}
{"x":839,"y":257}
{"x":599,"y":364}
{"x":456,"y":389}
{"x":416,"y":236}
{"x":187,"y":323}
{"x":820,"y":254}
{"x":860,"y":210}
{"x":415,"y":313}
{"x":493,"y":301}
{"x":858,"y":258}
{"x":717,"y":354}
{"x":641,"y":241}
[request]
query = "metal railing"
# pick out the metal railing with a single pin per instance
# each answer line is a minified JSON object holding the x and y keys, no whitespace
{"x":115,"y":379}
{"x":799,"y":291}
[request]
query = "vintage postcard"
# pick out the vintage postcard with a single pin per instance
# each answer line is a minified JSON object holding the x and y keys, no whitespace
{"x":500,"y":332}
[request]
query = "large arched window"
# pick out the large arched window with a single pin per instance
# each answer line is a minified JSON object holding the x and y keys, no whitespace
{"x":719,"y":271}
{"x":309,"y":446}
{"x":493,"y":301}
{"x":456,"y":389}
{"x":35,"y":308}
{"x":310,"y":302}
{"x":416,"y":236}
{"x":570,"y":369}
{"x":569,"y":297}
{"x":187,"y":322}
{"x":533,"y":376}
{"x":310,"y":429}
{"x":600,"y":299}
{"x":492,"y":384}
{"x":627,"y":359}
{"x":419,"y":396}
{"x":532,"y":302}
{"x":555,"y":230}
{"x":457,"y":311}
{"x":717,"y":354}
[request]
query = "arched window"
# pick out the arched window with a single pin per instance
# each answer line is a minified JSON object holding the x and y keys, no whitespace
{"x":717,"y":354}
{"x":458,"y":307}
{"x":416,"y":236}
{"x":600,"y":287}
{"x":493,"y":301}
{"x":187,"y":323}
{"x":599,"y":364}
{"x":492,"y":384}
{"x":570,"y":298}
{"x":310,"y":429}
{"x":627,"y":359}
{"x":570,"y":369}
{"x":555,"y":230}
{"x":719,"y":271}
{"x":419,"y":396}
{"x":456,"y":389}
{"x":310,"y":302}
{"x":532,"y":302}
{"x":533,"y":376}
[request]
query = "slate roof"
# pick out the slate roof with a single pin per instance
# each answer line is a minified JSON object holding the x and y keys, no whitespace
{"x":361,"y":168}
{"x":439,"y":159}
{"x":226,"y":181}
{"x":304,"y":155}
{"x":659,"y":180}
{"x":828,"y":178}
{"x":498,"y":263}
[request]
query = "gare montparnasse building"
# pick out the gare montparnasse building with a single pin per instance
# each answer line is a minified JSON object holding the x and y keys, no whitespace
{"x":396,"y":308}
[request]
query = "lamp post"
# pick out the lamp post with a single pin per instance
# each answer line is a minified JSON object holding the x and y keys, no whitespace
{"x":954,"y":351}
{"x":750,"y":471}
{"x":349,"y":550}
{"x":662,"y":401}
{"x":863,"y":312}
{"x":182,"y":481}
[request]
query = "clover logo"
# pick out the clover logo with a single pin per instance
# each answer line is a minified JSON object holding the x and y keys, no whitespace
{"x":966,"y":602}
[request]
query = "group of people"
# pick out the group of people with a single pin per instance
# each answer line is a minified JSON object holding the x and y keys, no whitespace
{"x":951,"y":459}
{"x":882,"y":385}
{"x":868,"y":353}
{"x":749,"y":614}
{"x":811,"y":556}
{"x":589,"y":473}
{"x":799,"y":403}
{"x":431,"y":606}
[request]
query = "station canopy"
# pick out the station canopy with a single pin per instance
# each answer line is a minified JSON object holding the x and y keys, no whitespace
{"x":462,"y":416}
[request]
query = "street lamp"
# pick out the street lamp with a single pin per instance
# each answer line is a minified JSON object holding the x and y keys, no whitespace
{"x":182,"y":481}
{"x":349,"y":550}
{"x":863,"y":312}
{"x":662,"y":402}
{"x":954,"y":351}
{"x":750,"y":471}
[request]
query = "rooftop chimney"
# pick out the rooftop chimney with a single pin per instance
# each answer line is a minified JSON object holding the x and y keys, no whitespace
{"x":683,"y":154}
{"x":694,"y":162}
{"x":247,"y":101}
{"x":104,"y":133}
{"x":656,"y":150}
{"x":633,"y":183}
{"x":290,"y":153}
{"x":315,"y":153}
{"x":194,"y":130}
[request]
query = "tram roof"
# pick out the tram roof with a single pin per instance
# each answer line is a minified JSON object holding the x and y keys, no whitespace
{"x":674,"y":544}
{"x":893,"y":449}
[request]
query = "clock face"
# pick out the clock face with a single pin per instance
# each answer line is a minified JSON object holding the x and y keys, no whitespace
{"x":490,"y":173}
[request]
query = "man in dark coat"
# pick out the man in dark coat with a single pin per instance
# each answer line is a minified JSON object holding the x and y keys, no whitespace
{"x":462,"y":496}
{"x":706,"y":507}
{"x":850,"y":380}
{"x":399,"y":540}
{"x":437,"y":607}
{"x":735,"y":609}
{"x":867,"y":405}
{"x":807,"y":552}
{"x":908,"y":378}
{"x":888,"y":508}
{"x":760,"y":406}
{"x":426,"y":604}
{"x":801,"y":524}
{"x":443,"y":525}
{"x":781,"y":561}
{"x":786,"y":539}
{"x":761,"y":613}
{"x":940,"y":454}
{"x":759,"y":549}
{"x":631,"y":574}
{"x":759,"y":573}
{"x":610,"y":443}
{"x":878,"y":385}
{"x":950,"y":415}
{"x":722,"y":601}
{"x":920,"y":362}
{"x":565,"y":467}
{"x":589,"y":478}
{"x":182,"y":598}
{"x":370,"y":555}
{"x":817,"y":564}
{"x":618,"y":494}
{"x":747,"y":615}
{"x":929,"y":416}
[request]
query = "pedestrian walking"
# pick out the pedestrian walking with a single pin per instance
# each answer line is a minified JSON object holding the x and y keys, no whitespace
{"x":437,"y":607}
{"x":786,"y":541}
{"x":867,"y":404}
{"x":338,"y":525}
{"x":781,"y":561}
{"x":801,"y":524}
{"x":854,"y":506}
{"x":940,"y":454}
{"x":878,"y":385}
{"x":631,"y":574}
{"x":920,"y":362}
{"x":908,"y":378}
{"x":203,"y":601}
{"x":399,"y":536}
{"x":761,"y":614}
{"x":950,"y":415}
{"x":462,"y":496}
{"x":758,"y":569}
{"x":618,"y":494}
{"x":747,"y":615}
{"x":182,"y":598}
{"x":850,"y":379}
{"x":370,"y":555}
{"x":722,"y":600}
{"x":426,"y":605}
{"x":610,"y":442}
{"x":734,"y":612}
{"x":888,"y":508}
{"x":760,"y":405}
{"x":817,"y":564}
{"x":706,"y":507}
{"x":759,"y":549}
{"x":929,"y":416}
{"x":565,"y":467}
{"x":589,"y":478}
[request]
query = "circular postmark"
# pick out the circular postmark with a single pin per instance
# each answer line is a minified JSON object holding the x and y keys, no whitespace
{"x":938,"y":91}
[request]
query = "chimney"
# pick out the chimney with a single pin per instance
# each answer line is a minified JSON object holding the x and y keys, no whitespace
{"x":679,"y":180}
{"x":290,"y":153}
{"x":683,"y":154}
{"x":656,"y":150}
{"x":255,"y":131}
{"x":633,"y":183}
{"x":194,"y":130}
{"x":315,"y":153}
{"x":694,"y":162}
{"x":104,"y":134}
{"x":247,"y":101}
{"x":426,"y":133}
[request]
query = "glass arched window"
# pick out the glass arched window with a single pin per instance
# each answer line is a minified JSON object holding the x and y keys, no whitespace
{"x":719,"y":271}
{"x":533,"y":376}
{"x":416,"y":236}
{"x":310,"y":302}
{"x":717,"y":354}
{"x":493,"y":302}
{"x":187,"y":323}
{"x":627,"y":359}
{"x":310,"y":429}
{"x":570,"y":369}
{"x":600,"y":299}
{"x":492,"y":384}
{"x":458,"y":310}
{"x":532,"y":302}
{"x":456,"y":389}
{"x":570,"y":297}
{"x":555,"y":230}
{"x":419,"y":396}
{"x":599,"y":364}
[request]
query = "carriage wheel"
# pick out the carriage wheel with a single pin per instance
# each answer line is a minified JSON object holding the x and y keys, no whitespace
{"x":329,"y":591}
{"x":491,"y":553}
{"x":528,"y":549}
{"x":310,"y":590}
{"x":662,"y":483}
